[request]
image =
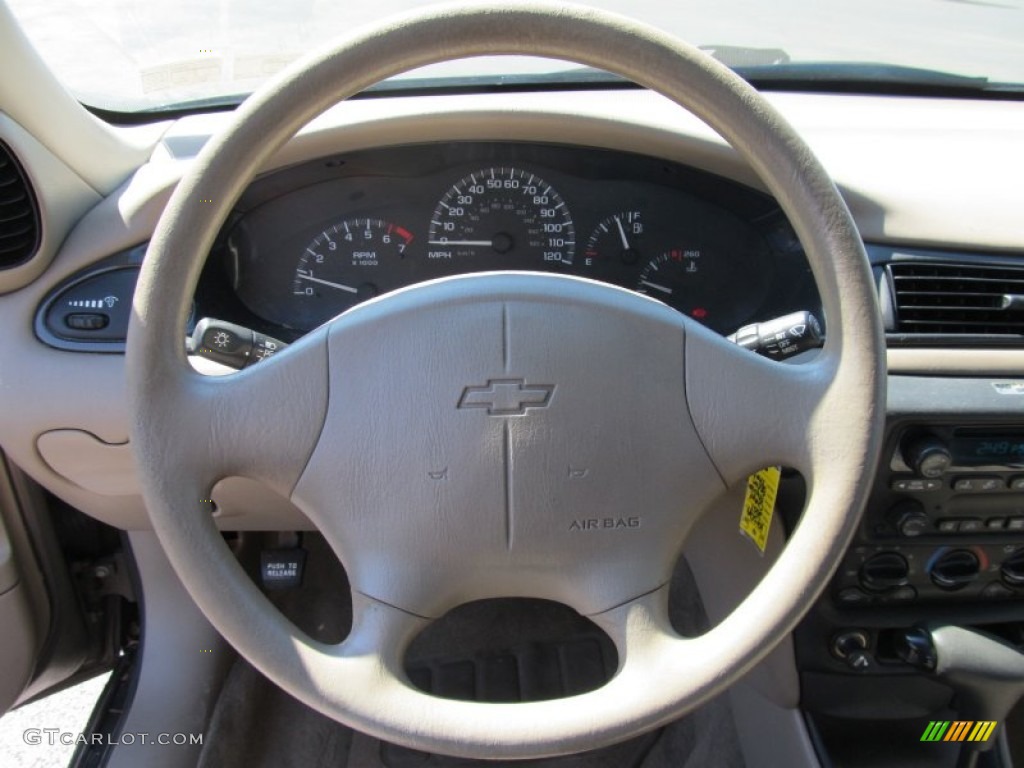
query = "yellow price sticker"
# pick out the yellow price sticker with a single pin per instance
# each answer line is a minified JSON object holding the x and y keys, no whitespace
{"x":759,"y":505}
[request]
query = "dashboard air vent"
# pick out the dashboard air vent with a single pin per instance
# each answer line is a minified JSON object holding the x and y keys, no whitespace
{"x":958,"y":299}
{"x":19,"y":214}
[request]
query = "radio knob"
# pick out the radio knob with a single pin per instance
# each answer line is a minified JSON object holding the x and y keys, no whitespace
{"x":928,"y":456}
{"x":909,"y":518}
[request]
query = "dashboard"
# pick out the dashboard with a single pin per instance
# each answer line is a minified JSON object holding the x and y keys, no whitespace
{"x":309,"y":242}
{"x":392,"y":170}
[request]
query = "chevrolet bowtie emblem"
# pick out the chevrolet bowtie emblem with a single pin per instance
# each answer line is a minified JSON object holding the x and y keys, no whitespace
{"x":506,"y":397}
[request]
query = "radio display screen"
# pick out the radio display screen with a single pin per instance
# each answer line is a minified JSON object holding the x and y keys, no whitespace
{"x":970,"y":450}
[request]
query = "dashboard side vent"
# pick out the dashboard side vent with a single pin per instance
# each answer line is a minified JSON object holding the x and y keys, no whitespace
{"x":19,"y":213}
{"x":958,"y":299}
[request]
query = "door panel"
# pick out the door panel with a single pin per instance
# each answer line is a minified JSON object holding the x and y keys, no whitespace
{"x":19,"y":637}
{"x":43,"y":635}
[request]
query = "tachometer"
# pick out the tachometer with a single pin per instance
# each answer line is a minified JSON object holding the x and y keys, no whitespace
{"x":348,"y":263}
{"x":502,"y":218}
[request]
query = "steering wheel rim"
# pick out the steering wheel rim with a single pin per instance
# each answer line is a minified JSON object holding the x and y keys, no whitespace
{"x":190,"y":431}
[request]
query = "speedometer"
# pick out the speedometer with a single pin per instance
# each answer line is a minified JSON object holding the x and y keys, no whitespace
{"x":502,"y":218}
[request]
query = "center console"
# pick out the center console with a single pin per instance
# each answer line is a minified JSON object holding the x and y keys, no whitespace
{"x":941,"y":541}
{"x":945,"y":521}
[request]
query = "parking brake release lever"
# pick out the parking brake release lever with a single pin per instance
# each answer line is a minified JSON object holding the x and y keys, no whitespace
{"x":985,"y":672}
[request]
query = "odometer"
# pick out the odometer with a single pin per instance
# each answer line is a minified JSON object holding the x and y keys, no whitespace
{"x":502,"y":218}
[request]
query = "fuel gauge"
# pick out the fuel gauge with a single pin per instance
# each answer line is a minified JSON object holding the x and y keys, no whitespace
{"x":615,"y":239}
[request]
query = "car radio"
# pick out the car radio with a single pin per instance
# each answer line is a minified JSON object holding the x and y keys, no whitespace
{"x":944,"y":521}
{"x":931,"y":452}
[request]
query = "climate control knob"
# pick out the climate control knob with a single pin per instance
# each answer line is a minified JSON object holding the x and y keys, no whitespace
{"x":955,"y":569}
{"x":1013,"y":569}
{"x":884,"y":571}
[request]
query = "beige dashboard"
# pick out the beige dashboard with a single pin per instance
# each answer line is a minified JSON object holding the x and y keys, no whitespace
{"x":941,"y":174}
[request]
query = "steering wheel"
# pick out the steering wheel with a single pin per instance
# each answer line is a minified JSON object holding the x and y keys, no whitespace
{"x":506,"y":434}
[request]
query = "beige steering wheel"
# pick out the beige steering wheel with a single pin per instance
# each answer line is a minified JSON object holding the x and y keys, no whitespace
{"x":352,"y":421}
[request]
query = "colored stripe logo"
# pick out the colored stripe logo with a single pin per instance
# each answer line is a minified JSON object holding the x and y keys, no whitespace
{"x":959,"y":730}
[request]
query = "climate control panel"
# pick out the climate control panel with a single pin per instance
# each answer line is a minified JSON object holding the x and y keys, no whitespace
{"x":881,"y":574}
{"x":945,"y":520}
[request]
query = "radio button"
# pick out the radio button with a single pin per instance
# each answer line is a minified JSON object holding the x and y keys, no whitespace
{"x":918,"y":484}
{"x":948,"y":526}
{"x":970,"y":525}
{"x":1015,"y":524}
{"x":978,"y":484}
{"x":995,"y":523}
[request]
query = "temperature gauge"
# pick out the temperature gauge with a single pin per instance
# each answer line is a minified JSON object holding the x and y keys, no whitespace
{"x":682,"y":278}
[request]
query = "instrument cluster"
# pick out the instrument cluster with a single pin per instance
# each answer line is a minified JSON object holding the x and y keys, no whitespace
{"x":310,"y":242}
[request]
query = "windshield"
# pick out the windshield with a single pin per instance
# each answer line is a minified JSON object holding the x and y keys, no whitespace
{"x":144,"y":55}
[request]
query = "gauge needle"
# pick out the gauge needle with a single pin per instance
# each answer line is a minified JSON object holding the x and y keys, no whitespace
{"x":622,"y":234}
{"x":339,"y":286}
{"x":656,"y":287}
{"x":460,"y":242}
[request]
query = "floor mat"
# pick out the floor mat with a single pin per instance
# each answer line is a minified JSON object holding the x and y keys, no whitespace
{"x":489,"y":651}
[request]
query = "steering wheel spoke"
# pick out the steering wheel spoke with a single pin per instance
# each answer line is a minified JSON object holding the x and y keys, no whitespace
{"x":376,"y":644}
{"x":262,"y":422}
{"x":752,"y":412}
{"x":650,"y":649}
{"x":370,"y":661}
{"x":265,"y":420}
